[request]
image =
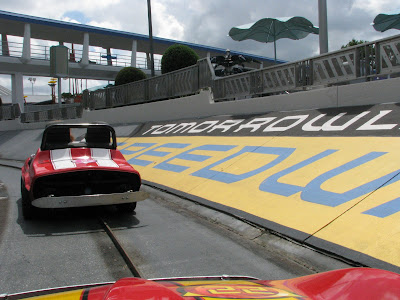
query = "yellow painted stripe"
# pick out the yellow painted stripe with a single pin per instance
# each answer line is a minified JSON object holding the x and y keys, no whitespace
{"x":342,"y":185}
{"x":213,"y":282}
{"x":71,"y":295}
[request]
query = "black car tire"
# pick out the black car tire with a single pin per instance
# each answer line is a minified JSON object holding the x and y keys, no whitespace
{"x":127,"y":207}
{"x":28,"y":210}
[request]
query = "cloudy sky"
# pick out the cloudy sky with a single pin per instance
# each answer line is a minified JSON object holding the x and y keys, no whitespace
{"x":208,"y":22}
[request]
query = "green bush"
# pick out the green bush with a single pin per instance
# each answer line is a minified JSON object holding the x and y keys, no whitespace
{"x":67,"y":95}
{"x":129,"y":74}
{"x":177,"y":57}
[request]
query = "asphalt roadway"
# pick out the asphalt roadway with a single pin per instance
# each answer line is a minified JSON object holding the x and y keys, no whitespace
{"x":166,"y":237}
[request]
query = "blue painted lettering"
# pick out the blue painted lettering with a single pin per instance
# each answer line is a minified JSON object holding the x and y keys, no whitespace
{"x":188,"y":155}
{"x":143,"y":146}
{"x":313,"y":192}
{"x":271,"y":184}
{"x":153,"y":152}
{"x":385,"y":210}
{"x":225,"y":177}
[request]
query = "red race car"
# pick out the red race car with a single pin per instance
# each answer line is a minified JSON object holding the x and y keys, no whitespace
{"x":346,"y":284}
{"x":78,"y":165}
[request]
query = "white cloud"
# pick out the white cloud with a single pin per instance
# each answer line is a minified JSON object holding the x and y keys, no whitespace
{"x":377,"y":7}
{"x":106,"y":24}
{"x":165,"y":24}
{"x":66,"y":19}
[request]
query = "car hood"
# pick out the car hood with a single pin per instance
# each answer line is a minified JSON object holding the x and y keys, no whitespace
{"x":355,"y":283}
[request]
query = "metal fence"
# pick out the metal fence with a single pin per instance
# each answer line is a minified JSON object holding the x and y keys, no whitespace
{"x":183,"y":82}
{"x":366,"y":62}
{"x":42,"y":52}
{"x":53,"y":112}
{"x":40,"y":107}
{"x":9,"y":112}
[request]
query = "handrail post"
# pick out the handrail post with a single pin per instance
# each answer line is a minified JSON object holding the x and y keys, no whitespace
{"x":311,"y":70}
{"x":196,"y":81}
{"x":378,"y":58}
{"x":297,"y":68}
{"x":108,"y":98}
{"x":85,"y":99}
{"x":146,"y":90}
{"x":357,"y":61}
{"x":367,"y":62}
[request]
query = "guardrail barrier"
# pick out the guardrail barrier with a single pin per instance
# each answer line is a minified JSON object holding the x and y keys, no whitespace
{"x":9,"y":112}
{"x":366,"y":62}
{"x":65,"y":112}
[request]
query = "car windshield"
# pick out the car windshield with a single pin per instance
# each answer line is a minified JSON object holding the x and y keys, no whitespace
{"x":59,"y":137}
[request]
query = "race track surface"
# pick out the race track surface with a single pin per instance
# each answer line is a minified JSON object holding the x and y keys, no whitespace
{"x":327,"y":178}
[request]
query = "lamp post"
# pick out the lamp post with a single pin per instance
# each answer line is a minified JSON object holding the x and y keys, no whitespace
{"x":32,"y":80}
{"x":151,"y":38}
{"x":323,"y":26}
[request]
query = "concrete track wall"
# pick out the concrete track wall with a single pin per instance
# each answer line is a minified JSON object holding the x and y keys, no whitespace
{"x":202,"y":105}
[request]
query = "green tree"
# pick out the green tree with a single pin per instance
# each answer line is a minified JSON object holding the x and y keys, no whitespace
{"x":177,"y":57}
{"x":66,"y":95}
{"x":354,"y":42}
{"x":129,"y":74}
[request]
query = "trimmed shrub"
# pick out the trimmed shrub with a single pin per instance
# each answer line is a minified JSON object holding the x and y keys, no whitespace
{"x":129,"y":74}
{"x":177,"y":57}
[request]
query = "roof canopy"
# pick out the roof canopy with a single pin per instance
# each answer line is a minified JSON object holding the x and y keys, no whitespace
{"x":60,"y":31}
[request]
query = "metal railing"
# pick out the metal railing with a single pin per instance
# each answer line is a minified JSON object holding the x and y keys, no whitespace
{"x":9,"y":112}
{"x":183,"y":82}
{"x":389,"y":56}
{"x":41,"y":52}
{"x":53,"y":112}
{"x":366,"y":62}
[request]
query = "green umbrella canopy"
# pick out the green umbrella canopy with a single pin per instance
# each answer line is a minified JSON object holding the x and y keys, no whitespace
{"x":386,"y":21}
{"x":269,"y":30}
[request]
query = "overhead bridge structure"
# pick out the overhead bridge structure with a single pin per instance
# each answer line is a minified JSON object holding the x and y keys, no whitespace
{"x":99,"y":53}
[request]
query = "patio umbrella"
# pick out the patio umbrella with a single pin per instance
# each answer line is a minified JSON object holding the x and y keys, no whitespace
{"x":269,"y":30}
{"x":386,"y":21}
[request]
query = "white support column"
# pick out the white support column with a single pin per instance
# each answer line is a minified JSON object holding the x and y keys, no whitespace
{"x":17,"y":87}
{"x":85,"y":50}
{"x":134,"y":53}
{"x":26,"y":50}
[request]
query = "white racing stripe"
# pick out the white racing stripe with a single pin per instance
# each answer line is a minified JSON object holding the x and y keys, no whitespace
{"x":61,"y":159}
{"x":103,"y":157}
